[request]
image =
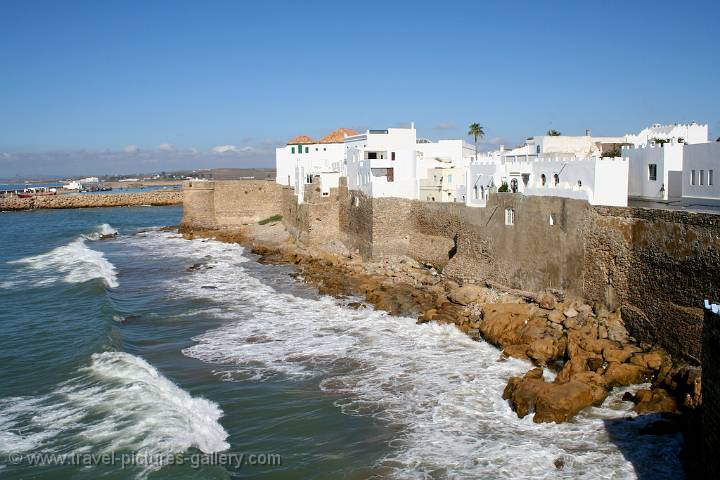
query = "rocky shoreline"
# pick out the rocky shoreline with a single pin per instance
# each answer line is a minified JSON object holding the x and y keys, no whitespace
{"x":154,"y":198}
{"x":584,"y":347}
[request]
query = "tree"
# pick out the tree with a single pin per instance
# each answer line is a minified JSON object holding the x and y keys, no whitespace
{"x":476,"y":131}
{"x":553,"y":133}
{"x":718,"y":139}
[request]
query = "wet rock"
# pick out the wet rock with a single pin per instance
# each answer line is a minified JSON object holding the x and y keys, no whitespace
{"x":653,"y":401}
{"x":503,"y":323}
{"x":623,"y":374}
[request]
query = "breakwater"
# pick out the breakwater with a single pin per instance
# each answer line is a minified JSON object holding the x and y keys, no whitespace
{"x":154,"y":198}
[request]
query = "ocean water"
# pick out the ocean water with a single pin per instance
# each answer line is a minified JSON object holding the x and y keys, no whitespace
{"x":155,"y":346}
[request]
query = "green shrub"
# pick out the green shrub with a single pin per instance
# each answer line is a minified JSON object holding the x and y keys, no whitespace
{"x":504,"y":187}
{"x":274,"y":218}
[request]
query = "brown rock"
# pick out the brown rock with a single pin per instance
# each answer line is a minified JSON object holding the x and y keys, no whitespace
{"x":516,"y":351}
{"x":657,"y":400}
{"x":651,"y":360}
{"x":561,"y":401}
{"x":570,"y":312}
{"x":545,"y":350}
{"x":503,"y":323}
{"x":556,"y":317}
{"x":623,"y":374}
{"x":546,"y":300}
{"x":468,"y":294}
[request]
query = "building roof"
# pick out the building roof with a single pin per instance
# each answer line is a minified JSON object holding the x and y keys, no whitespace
{"x":301,"y":139}
{"x":338,"y":136}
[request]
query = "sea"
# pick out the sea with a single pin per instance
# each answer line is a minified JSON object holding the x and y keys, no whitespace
{"x":144,"y":355}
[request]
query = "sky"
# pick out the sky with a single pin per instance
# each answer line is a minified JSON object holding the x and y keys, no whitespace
{"x":123,"y":86}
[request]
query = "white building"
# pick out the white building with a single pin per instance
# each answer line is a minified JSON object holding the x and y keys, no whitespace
{"x":597,"y":180}
{"x":560,"y":166}
{"x":701,"y":164}
{"x":394,"y":163}
{"x":443,"y":165}
{"x":304,"y":158}
{"x":656,"y":159}
{"x":678,"y":133}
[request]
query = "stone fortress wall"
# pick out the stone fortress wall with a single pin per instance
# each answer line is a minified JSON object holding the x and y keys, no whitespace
{"x":657,"y":266}
{"x":711,"y":391}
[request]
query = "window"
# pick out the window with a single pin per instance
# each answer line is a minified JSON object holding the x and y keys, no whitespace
{"x":450,"y":178}
{"x":475,"y":192}
{"x":537,"y":149}
{"x":551,"y":220}
{"x":542,"y":179}
{"x":702,"y":177}
{"x":316,"y":149}
{"x":509,"y":216}
{"x":390,"y":175}
{"x":292,"y":149}
{"x":692,"y":178}
{"x":356,"y":201}
{"x":372,"y":155}
{"x":710,"y":177}
{"x":652,"y":172}
{"x":307,"y":150}
{"x":324,"y":149}
{"x":433,"y":199}
{"x":392,"y":155}
{"x":579,"y":183}
{"x":556,"y":179}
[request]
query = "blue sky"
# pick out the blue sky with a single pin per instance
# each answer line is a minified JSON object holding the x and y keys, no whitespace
{"x":124,"y":86}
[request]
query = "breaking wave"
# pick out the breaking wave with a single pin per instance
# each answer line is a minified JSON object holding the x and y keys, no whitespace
{"x":118,"y":403}
{"x":75,"y":262}
{"x":438,"y":389}
{"x":102,"y":230}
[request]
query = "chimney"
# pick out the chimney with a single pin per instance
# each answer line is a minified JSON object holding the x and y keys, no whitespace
{"x":412,"y":125}
{"x":587,"y":132}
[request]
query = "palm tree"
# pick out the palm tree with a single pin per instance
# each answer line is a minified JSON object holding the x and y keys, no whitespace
{"x":476,"y":131}
{"x":553,"y":133}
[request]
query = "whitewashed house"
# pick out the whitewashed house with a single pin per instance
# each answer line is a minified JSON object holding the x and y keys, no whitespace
{"x":304,"y":158}
{"x":444,"y":164}
{"x":701,"y":165}
{"x":656,"y":159}
{"x":394,"y":163}
{"x":560,"y":166}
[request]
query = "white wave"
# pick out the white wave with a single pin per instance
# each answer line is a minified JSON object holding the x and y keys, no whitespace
{"x":118,"y":403}
{"x":438,"y":388}
{"x":102,"y":230}
{"x":74,"y":262}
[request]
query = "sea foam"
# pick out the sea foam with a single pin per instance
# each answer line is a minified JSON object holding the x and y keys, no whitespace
{"x":438,"y":389}
{"x":118,"y":403}
{"x":74,"y":262}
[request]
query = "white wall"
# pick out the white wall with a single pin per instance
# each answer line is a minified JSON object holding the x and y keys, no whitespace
{"x":691,"y":133}
{"x":668,"y":158}
{"x":599,"y":181}
{"x":705,"y":157}
{"x":320,"y":157}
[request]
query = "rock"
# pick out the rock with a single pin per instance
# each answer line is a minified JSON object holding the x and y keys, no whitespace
{"x":556,"y":317}
{"x":428,"y":315}
{"x":653,"y":401}
{"x":572,"y":367}
{"x":616,"y":328}
{"x":504,"y":322}
{"x":651,"y":360}
{"x":468,"y":294}
{"x":545,"y":350}
{"x":561,"y":401}
{"x":623,"y":374}
{"x":551,"y":402}
{"x":612,"y":352}
{"x":516,"y":351}
{"x":546,"y":300}
{"x":570,"y":312}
